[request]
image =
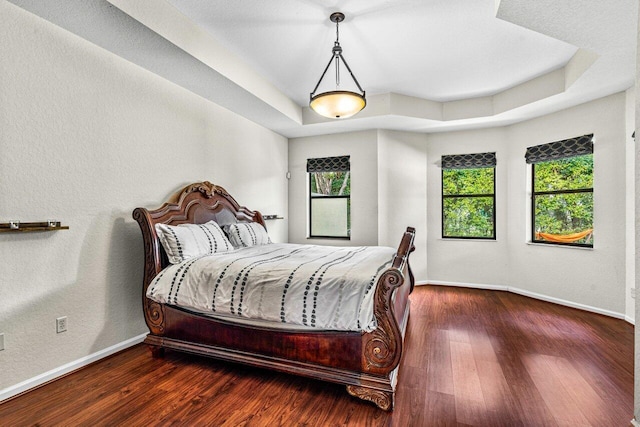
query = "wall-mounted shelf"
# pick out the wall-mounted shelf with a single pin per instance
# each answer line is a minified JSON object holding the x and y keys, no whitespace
{"x":25,"y":227}
{"x":265,"y":217}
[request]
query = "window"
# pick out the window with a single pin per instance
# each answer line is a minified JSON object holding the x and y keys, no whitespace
{"x":329,"y":197}
{"x":468,"y":196}
{"x":562,"y":192}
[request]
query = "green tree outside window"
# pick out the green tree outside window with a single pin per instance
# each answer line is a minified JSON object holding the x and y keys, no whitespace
{"x":468,"y":203}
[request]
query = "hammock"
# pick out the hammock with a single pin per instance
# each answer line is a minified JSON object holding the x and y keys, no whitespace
{"x":565,"y":238}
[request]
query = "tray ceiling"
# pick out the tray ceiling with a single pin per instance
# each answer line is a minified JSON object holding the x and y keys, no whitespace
{"x":426,"y":66}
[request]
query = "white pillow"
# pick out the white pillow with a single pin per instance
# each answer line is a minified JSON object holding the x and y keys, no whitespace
{"x":191,"y":240}
{"x":245,"y":234}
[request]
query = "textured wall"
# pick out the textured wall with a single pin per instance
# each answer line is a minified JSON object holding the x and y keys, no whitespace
{"x":388,"y":188}
{"x":362,"y":147}
{"x":595,"y":277}
{"x":402,"y":193}
{"x":637,"y":236}
{"x":85,"y":137}
{"x":630,"y":207}
{"x":457,"y":260}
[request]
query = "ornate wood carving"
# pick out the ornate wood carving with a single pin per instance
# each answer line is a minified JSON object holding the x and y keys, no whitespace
{"x":206,"y":188}
{"x":153,"y":312}
{"x":383,"y":346}
{"x":382,"y":399}
{"x":154,"y":315}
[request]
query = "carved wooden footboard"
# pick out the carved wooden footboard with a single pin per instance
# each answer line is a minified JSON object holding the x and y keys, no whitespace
{"x":366,"y":363}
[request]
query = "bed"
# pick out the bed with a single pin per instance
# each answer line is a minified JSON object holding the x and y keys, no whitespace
{"x":366,"y":359}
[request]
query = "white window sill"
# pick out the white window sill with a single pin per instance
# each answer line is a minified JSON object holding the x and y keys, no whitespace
{"x":560,"y":246}
{"x":453,"y":239}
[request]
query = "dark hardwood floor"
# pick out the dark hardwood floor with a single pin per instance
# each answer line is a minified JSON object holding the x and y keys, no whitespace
{"x":473,"y":358}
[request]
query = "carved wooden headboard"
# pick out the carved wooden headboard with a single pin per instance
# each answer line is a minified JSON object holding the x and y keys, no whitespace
{"x":196,"y":203}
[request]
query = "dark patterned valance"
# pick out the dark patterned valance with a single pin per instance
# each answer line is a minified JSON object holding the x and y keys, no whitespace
{"x":560,"y":149}
{"x":469,"y":161}
{"x":329,"y":164}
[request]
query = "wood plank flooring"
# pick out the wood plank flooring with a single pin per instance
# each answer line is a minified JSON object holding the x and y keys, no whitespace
{"x":473,"y":358}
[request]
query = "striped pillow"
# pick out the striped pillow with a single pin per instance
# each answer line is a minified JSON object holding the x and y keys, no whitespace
{"x":191,"y":240}
{"x":245,"y":234}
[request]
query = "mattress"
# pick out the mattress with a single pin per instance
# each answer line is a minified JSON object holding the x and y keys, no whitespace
{"x":308,"y":286}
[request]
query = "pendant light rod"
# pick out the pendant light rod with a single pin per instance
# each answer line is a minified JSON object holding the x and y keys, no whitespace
{"x":337,"y":17}
{"x":322,"y":76}
{"x":351,"y":72}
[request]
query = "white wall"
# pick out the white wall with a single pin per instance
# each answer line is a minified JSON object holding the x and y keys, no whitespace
{"x":636,"y":388}
{"x":593,"y":278}
{"x":630,"y":211}
{"x":388,"y":188}
{"x":460,"y":260}
{"x":362,"y":147}
{"x":402,"y":193}
{"x":85,"y":138}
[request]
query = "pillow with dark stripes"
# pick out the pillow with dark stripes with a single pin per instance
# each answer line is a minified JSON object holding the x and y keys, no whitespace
{"x":186,"y":241}
{"x":245,"y":234}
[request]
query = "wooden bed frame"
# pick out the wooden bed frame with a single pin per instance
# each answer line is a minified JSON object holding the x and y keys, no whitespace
{"x":367,"y":363}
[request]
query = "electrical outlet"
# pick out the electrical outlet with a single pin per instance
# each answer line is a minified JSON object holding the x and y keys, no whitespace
{"x":61,"y":324}
{"x":1,"y":342}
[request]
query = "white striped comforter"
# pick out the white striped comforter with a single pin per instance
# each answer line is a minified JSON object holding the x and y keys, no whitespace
{"x":322,"y":287}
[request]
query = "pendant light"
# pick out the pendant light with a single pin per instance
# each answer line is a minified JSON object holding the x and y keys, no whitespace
{"x":337,"y":104}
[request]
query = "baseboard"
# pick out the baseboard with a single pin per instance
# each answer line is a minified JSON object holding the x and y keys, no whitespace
{"x":69,"y":367}
{"x":536,"y":296}
{"x":635,"y":423}
{"x":468,"y":285}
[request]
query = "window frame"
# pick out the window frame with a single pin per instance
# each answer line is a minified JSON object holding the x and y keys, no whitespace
{"x":450,"y":196}
{"x":535,"y":193}
{"x":312,"y":197}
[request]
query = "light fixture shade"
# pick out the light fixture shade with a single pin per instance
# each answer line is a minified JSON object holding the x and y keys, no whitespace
{"x":338,"y":104}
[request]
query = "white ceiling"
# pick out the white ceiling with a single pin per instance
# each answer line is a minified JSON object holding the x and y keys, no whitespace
{"x":441,"y":50}
{"x":426,"y":65}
